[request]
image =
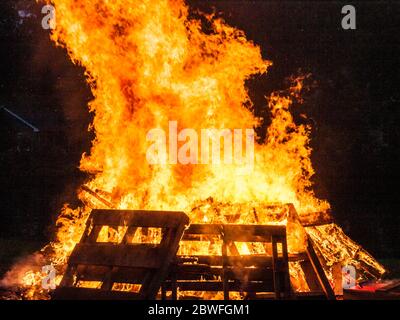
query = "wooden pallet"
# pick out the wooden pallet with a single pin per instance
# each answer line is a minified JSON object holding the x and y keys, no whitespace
{"x":144,"y":265}
{"x":230,"y":271}
{"x":147,"y":265}
{"x":315,"y":275}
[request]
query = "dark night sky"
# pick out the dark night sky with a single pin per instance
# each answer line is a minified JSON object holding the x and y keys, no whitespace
{"x":353,"y":107}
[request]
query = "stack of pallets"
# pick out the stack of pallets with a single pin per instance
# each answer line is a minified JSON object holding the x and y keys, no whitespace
{"x":124,"y":269}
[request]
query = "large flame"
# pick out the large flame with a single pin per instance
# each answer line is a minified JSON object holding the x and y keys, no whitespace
{"x":149,"y":62}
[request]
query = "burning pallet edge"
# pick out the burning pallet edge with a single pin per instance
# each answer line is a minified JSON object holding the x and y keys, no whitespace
{"x":128,"y":218}
{"x":311,"y":261}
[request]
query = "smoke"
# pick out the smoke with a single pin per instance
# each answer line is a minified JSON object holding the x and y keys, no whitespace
{"x":20,"y":272}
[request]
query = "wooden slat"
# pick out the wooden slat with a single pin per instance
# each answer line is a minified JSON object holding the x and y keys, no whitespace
{"x":315,"y":219}
{"x":239,"y":238}
{"x":225,"y":264}
{"x":233,"y":250}
{"x":68,"y":278}
{"x":266,"y":286}
{"x":138,"y":218}
{"x":198,"y":269}
{"x":237,"y":232}
{"x":244,"y":261}
{"x":122,"y":275}
{"x":316,"y":223}
{"x":270,"y":273}
{"x":319,"y":271}
{"x":169,"y":249}
{"x":129,"y":235}
{"x":285,"y":268}
{"x":310,"y":276}
{"x":110,"y":263}
{"x":204,"y":229}
{"x":93,"y":235}
{"x":108,"y":254}
{"x":245,"y":274}
{"x":274,"y":268}
{"x":133,"y":263}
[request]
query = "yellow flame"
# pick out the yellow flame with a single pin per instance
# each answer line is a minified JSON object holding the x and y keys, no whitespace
{"x":149,"y":62}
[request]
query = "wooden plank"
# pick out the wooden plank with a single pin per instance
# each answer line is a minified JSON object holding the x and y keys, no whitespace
{"x":205,"y":229}
{"x":199,"y":269}
{"x":169,"y":248}
{"x":93,"y":235}
{"x":138,"y":218}
{"x":316,"y":219}
{"x":337,"y":277}
{"x":121,"y":275}
{"x":253,"y":233}
{"x":284,"y":268}
{"x":224,"y":270}
{"x":108,"y":254}
{"x":319,"y":271}
{"x":244,"y":274}
{"x":108,"y":279}
{"x":266,"y":286}
{"x":310,"y":276}
{"x":317,"y":223}
{"x":174,"y":287}
{"x":237,"y":232}
{"x":110,"y":263}
{"x":242,"y":237}
{"x":247,"y":274}
{"x":129,"y":234}
{"x":244,"y":260}
{"x":97,"y":196}
{"x":274,"y":269}
{"x":232,"y":248}
{"x":369,"y":269}
{"x":68,"y":278}
{"x":266,"y":279}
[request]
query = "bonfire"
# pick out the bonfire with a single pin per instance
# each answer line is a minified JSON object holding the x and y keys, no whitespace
{"x":150,"y":62}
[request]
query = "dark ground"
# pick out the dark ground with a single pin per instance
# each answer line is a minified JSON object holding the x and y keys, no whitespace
{"x":354,"y":108}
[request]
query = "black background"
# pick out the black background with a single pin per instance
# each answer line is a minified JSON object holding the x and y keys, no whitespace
{"x":353,"y":107}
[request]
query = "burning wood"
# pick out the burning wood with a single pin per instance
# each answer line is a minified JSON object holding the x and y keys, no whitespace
{"x":121,"y":270}
{"x":214,"y":260}
{"x":97,"y":197}
{"x":175,"y":70}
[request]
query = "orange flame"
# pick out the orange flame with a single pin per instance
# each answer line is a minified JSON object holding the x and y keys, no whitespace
{"x":149,"y":62}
